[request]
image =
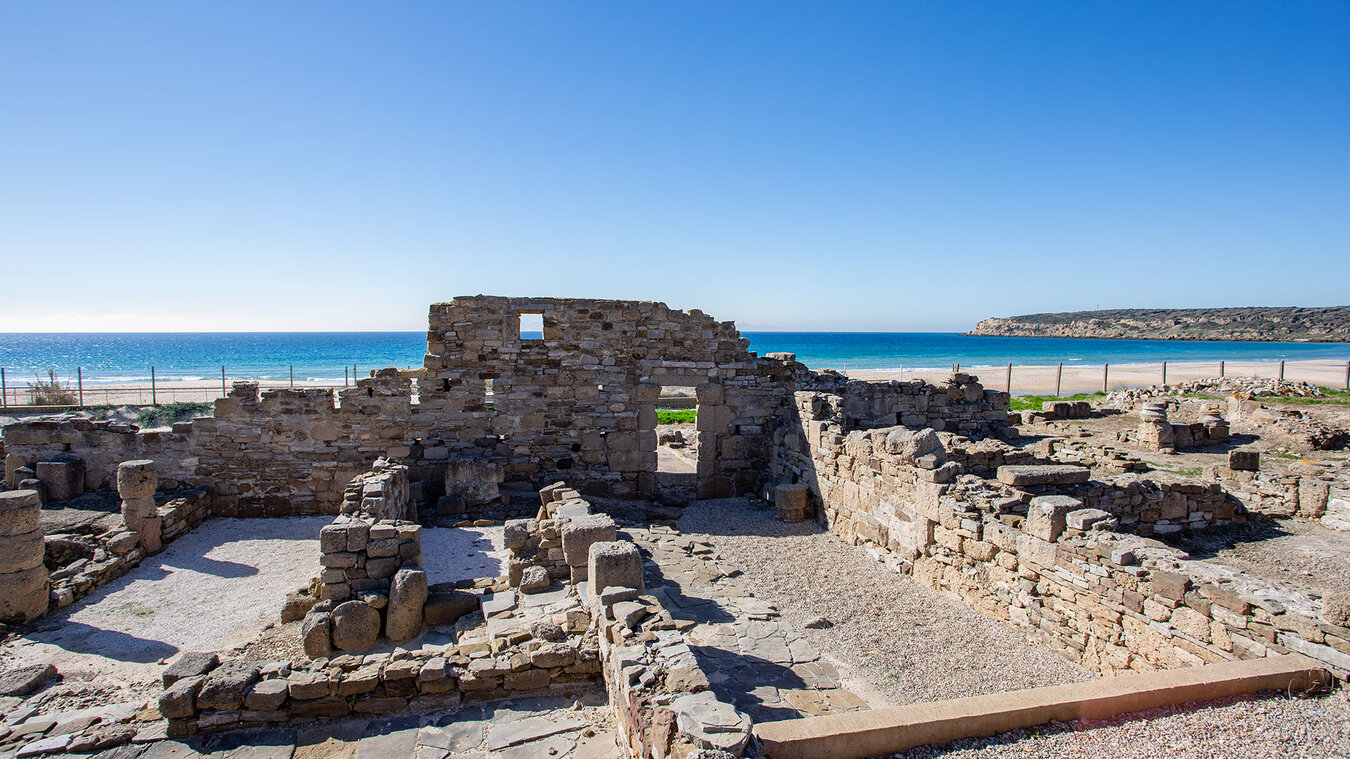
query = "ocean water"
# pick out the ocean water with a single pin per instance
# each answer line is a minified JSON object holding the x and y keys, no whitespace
{"x":123,"y":357}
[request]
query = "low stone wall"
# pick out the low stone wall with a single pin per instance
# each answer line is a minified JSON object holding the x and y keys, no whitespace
{"x":101,"y":446}
{"x":238,"y":694}
{"x":116,"y":552}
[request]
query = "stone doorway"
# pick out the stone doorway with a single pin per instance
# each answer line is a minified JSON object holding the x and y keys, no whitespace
{"x":683,"y":453}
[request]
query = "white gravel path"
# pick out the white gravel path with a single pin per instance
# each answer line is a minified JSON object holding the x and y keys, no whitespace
{"x":891,"y":636}
{"x":1235,"y":728}
{"x":463,"y":553}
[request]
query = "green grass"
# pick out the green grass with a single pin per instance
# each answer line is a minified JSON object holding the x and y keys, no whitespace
{"x":1033,"y":402}
{"x":675,"y":416}
{"x":163,"y":416}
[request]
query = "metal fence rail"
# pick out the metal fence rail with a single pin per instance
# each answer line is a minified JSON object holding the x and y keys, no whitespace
{"x":78,"y":389}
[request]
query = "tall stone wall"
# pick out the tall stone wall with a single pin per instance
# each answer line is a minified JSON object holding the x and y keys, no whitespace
{"x":581,"y":402}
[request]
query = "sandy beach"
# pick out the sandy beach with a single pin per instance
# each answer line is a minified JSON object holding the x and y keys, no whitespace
{"x":1077,"y":378}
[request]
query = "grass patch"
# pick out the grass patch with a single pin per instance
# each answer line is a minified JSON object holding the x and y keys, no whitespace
{"x":163,"y":416}
{"x":1033,"y":402}
{"x":1184,"y":471}
{"x":676,"y":416}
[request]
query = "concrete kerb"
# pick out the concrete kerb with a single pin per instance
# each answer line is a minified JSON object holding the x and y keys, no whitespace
{"x":885,"y":731}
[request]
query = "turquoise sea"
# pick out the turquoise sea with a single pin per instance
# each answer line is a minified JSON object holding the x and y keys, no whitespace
{"x":123,"y":357}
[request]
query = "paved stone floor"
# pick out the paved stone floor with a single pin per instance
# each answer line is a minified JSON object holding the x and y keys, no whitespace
{"x":752,"y":657}
{"x":555,"y":726}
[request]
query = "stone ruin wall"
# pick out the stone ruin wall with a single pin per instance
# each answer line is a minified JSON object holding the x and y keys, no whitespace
{"x":1110,"y":600}
{"x":581,"y":403}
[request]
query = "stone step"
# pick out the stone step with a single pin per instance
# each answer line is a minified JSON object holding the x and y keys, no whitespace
{"x":1029,"y":475}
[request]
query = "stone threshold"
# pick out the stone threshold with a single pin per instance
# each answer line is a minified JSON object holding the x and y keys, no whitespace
{"x":855,"y":735}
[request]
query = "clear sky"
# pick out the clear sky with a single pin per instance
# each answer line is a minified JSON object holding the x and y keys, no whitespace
{"x":851,"y":165}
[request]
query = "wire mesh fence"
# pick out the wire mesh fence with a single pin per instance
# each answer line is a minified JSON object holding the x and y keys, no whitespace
{"x":81,"y":389}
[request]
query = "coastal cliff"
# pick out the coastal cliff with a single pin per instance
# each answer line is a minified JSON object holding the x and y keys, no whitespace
{"x":1278,"y":324}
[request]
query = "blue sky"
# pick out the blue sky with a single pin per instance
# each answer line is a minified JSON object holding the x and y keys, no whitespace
{"x":866,"y":165}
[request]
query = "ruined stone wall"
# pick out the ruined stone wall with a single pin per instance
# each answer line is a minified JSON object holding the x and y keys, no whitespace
{"x":1110,"y":600}
{"x":101,"y":445}
{"x":293,"y":451}
{"x":581,"y":402}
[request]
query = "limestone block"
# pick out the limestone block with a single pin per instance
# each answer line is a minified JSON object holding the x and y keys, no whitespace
{"x":64,"y":478}
{"x":711,"y":724}
{"x":709,"y":394}
{"x":1046,"y":517}
{"x":793,"y":502}
{"x":20,"y":511}
{"x":179,"y":699}
{"x":614,"y":563}
{"x":333,"y":538}
{"x":136,"y":479}
{"x":1029,"y":475}
{"x":1312,"y":498}
{"x":534,"y":579}
{"x":356,"y":626}
{"x":13,"y":463}
{"x":23,"y":594}
{"x":1086,"y":519}
{"x":580,"y":533}
{"x":646,"y":392}
{"x":135,"y":511}
{"x":20,"y":553}
{"x":226,"y":685}
{"x":407,"y":597}
{"x":1244,"y":460}
{"x":516,"y":532}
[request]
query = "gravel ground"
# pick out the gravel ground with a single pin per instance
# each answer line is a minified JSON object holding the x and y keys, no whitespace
{"x":1298,"y":553}
{"x":907,"y":642}
{"x":211,"y":589}
{"x":1234,"y":728}
{"x":463,"y":553}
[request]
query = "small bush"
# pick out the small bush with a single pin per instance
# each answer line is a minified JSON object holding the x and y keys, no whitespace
{"x":166,"y":415}
{"x":50,"y":392}
{"x":675,"y":416}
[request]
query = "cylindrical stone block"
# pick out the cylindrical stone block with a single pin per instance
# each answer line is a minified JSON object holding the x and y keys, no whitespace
{"x":23,"y":595}
{"x":20,"y":512}
{"x":19,"y":553}
{"x":136,"y":511}
{"x":136,"y":479}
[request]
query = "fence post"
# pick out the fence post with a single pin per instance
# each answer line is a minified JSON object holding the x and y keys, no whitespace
{"x":223,"y":394}
{"x":153,"y":401}
{"x":292,"y":375}
{"x":1059,"y":374}
{"x":1221,"y":374}
{"x":1007,"y":386}
{"x":1106,"y":373}
{"x":1164,"y":373}
{"x":79,"y":373}
{"x":344,"y":376}
{"x":1282,"y":371}
{"x":4,"y":392}
{"x":1347,"y":375}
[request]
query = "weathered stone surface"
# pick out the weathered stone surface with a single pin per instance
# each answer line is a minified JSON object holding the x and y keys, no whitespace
{"x":516,"y":532}
{"x":19,"y":553}
{"x":356,"y":626}
{"x":711,"y":724}
{"x":266,"y":695}
{"x":1030,"y":475}
{"x":296,"y":606}
{"x":190,"y":664}
{"x":614,"y":563}
{"x":24,"y":680}
{"x":23,"y":595}
{"x":225,"y":685}
{"x":1086,"y":519}
{"x":316,"y":635}
{"x":1244,"y":460}
{"x":446,"y":607}
{"x":136,"y":479}
{"x":64,"y":478}
{"x":20,"y":512}
{"x":580,"y":533}
{"x":407,"y":597}
{"x":1046,"y":516}
{"x":534,"y":579}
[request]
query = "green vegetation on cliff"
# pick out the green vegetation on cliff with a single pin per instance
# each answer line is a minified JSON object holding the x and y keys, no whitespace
{"x":1268,"y":324}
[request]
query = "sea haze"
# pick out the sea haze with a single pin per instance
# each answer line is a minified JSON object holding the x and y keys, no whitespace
{"x":323,"y":355}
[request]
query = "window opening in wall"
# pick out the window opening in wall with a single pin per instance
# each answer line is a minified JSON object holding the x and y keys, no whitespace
{"x":531,"y":326}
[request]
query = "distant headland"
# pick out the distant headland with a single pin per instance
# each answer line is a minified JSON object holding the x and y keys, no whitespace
{"x":1265,"y":324}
